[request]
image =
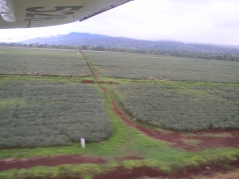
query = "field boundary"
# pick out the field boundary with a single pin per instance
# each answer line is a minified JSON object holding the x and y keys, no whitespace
{"x":134,"y":148}
{"x":175,"y":138}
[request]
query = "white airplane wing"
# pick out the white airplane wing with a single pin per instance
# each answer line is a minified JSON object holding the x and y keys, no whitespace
{"x":39,"y":13}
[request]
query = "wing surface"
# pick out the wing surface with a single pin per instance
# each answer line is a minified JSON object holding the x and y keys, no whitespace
{"x":40,"y":13}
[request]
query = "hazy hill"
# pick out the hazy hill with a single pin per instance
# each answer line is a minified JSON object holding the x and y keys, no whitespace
{"x":79,"y":39}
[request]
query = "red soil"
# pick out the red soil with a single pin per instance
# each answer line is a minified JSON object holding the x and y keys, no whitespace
{"x":108,"y":82}
{"x":205,"y":170}
{"x":89,"y":65}
{"x":177,"y":139}
{"x":123,"y":173}
{"x":99,"y":82}
{"x":128,"y":158}
{"x":55,"y":161}
{"x":47,"y":161}
{"x":88,"y":81}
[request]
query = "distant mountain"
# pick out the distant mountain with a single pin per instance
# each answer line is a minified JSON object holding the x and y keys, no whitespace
{"x":80,"y":39}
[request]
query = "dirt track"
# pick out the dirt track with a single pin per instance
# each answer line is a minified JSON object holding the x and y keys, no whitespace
{"x":56,"y":160}
{"x":204,"y":170}
{"x":204,"y":139}
{"x":175,"y":138}
{"x":118,"y":173}
{"x":47,"y":161}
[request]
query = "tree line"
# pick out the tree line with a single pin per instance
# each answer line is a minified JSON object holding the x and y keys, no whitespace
{"x":177,"y":53}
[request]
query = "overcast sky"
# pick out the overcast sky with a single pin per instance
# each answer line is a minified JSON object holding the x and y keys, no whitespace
{"x":194,"y":21}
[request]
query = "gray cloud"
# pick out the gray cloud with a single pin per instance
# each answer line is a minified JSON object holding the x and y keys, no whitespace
{"x":204,"y":21}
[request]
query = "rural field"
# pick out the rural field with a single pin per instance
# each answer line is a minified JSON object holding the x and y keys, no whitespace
{"x":50,"y":114}
{"x":186,"y":108}
{"x":142,"y":116}
{"x":139,"y":66}
{"x":42,"y":62}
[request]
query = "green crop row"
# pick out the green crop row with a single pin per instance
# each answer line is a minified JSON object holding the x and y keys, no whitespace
{"x":156,"y":67}
{"x":50,"y":113}
{"x":182,"y":108}
{"x":42,"y":62}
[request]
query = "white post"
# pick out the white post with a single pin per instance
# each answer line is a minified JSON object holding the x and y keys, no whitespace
{"x":82,"y":142}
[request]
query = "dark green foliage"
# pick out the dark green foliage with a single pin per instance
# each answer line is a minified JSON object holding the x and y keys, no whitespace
{"x":182,"y":108}
{"x":50,"y":113}
{"x":152,"y":67}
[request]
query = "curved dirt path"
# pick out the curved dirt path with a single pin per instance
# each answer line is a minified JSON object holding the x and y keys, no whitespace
{"x":177,"y":139}
{"x":203,"y":139}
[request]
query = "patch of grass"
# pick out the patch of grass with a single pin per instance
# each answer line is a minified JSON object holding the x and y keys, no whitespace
{"x":223,"y":134}
{"x":86,"y":171}
{"x":192,"y":142}
{"x":124,"y":141}
{"x":70,"y":80}
{"x":10,"y":102}
{"x":114,"y":146}
{"x":117,"y":80}
{"x":89,"y":171}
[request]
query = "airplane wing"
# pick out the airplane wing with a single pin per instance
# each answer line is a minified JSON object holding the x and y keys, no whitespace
{"x":39,"y":13}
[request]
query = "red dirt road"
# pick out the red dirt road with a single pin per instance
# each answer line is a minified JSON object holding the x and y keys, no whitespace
{"x":47,"y":161}
{"x":100,"y":82}
{"x":175,"y":138}
{"x":204,"y":170}
{"x":56,"y":160}
{"x":120,"y":172}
